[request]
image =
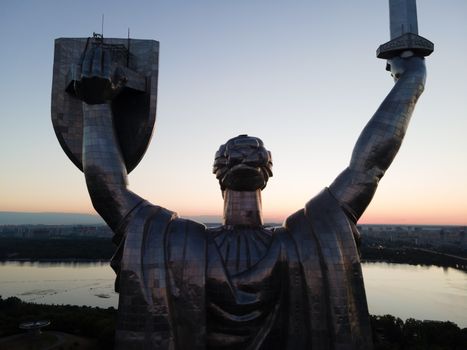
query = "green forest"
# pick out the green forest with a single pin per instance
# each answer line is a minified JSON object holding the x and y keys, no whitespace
{"x":389,"y":332}
{"x":84,"y":321}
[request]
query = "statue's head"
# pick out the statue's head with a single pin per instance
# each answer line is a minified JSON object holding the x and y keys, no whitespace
{"x":243,"y":164}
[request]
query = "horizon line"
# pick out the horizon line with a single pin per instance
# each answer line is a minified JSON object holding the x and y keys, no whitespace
{"x":215,"y":217}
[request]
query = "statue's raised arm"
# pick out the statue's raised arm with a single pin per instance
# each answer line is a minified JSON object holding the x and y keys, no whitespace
{"x":104,"y":96}
{"x":103,"y":164}
{"x":381,"y":138}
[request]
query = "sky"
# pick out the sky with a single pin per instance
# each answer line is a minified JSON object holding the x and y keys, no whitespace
{"x":301,"y":75}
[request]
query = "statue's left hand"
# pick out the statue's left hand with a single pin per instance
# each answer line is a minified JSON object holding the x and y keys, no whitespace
{"x":98,"y":84}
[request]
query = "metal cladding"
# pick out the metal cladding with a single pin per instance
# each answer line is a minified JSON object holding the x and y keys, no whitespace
{"x":417,"y":44}
{"x":241,"y":285}
{"x":243,"y":164}
{"x":402,"y":17}
{"x":135,"y":108}
{"x":404,"y":32}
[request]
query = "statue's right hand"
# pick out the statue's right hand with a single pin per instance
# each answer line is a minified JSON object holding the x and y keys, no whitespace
{"x":398,"y":66}
{"x":98,"y":84}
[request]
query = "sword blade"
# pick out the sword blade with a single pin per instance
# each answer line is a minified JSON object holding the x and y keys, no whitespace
{"x":403,"y":17}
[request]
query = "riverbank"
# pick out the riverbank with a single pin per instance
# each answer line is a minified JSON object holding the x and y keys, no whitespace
{"x":78,"y":250}
{"x":412,"y":256}
{"x":69,"y":249}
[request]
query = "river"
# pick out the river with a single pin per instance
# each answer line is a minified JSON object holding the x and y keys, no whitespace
{"x":420,"y":292}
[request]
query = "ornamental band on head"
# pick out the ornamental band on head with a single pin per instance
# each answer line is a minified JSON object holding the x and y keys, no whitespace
{"x":243,"y":164}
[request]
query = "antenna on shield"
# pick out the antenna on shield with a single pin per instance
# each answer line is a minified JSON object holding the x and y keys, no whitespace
{"x":99,"y":38}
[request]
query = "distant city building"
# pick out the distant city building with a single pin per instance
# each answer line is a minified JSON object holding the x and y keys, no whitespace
{"x":418,"y":235}
{"x":55,"y":231}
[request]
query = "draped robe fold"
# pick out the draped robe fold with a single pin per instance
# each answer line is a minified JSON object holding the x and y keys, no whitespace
{"x":176,"y":292}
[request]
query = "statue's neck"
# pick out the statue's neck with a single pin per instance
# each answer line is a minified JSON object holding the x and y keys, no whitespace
{"x":242,"y":208}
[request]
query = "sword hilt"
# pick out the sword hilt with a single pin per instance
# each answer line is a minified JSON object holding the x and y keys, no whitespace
{"x":407,"y":42}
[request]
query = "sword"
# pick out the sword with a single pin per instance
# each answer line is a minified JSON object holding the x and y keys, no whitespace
{"x":405,"y":40}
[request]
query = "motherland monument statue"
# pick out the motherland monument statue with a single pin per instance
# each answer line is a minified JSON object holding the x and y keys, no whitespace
{"x":241,"y":285}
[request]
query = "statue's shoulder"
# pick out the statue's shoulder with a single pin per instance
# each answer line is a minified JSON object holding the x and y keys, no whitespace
{"x":185,"y":240}
{"x":294,"y":222}
{"x":323,"y":201}
{"x":320,"y":207}
{"x":187,"y":225}
{"x":145,"y":211}
{"x":155,"y":218}
{"x":145,"y":217}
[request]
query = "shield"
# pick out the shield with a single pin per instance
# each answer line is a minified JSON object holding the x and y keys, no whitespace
{"x":134,"y":110}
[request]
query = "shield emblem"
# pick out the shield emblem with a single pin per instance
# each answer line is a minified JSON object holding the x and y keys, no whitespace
{"x":134,"y":110}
